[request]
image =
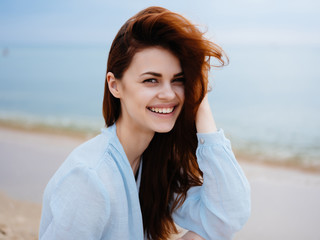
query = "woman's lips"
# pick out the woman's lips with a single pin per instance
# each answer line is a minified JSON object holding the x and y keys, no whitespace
{"x":163,"y":110}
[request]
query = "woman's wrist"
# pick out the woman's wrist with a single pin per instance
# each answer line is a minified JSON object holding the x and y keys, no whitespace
{"x":204,"y":120}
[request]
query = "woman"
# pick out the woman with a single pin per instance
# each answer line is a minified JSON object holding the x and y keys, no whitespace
{"x":161,"y":159}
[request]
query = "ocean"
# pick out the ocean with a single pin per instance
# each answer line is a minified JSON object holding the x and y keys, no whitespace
{"x":266,"y":99}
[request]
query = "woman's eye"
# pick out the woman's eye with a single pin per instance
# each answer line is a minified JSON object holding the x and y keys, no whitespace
{"x":179,"y":80}
{"x":150,"y":80}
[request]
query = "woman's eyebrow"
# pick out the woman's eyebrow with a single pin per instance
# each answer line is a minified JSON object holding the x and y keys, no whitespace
{"x":180,"y":74}
{"x":152,"y":73}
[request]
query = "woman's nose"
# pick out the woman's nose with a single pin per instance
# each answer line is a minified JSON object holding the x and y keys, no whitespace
{"x":166,"y":92}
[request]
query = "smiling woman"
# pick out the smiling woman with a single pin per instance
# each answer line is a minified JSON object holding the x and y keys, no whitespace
{"x":151,"y":95}
{"x":160,"y":160}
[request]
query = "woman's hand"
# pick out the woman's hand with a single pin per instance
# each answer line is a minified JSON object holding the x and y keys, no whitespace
{"x":204,"y":120}
{"x":191,"y":236}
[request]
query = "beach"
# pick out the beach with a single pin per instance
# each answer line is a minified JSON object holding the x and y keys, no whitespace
{"x":285,"y":201}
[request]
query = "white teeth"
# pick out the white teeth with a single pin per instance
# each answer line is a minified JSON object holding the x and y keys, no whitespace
{"x":162,"y":110}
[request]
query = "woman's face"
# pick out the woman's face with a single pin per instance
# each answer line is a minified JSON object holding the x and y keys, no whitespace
{"x":151,"y":90}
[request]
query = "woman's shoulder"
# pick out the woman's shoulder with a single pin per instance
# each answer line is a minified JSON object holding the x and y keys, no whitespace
{"x":90,"y":152}
{"x":90,"y":155}
{"x":91,"y":158}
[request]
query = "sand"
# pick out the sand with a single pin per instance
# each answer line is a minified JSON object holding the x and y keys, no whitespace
{"x":285,"y":202}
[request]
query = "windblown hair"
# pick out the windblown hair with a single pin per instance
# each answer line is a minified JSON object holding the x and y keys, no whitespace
{"x":169,"y":163}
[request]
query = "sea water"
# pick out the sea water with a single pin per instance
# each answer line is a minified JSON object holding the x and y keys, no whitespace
{"x":266,"y":99}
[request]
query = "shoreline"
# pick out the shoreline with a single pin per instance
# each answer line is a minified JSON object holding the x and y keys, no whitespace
{"x":85,"y":134}
{"x":47,"y":129}
{"x":269,"y":162}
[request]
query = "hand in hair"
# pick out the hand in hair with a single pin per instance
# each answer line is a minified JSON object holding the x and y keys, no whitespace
{"x":204,"y":120}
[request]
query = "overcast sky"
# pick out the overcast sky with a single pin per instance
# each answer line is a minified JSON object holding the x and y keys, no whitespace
{"x":97,"y":21}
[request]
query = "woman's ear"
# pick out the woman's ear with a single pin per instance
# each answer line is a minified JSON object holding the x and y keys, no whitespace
{"x":113,"y":85}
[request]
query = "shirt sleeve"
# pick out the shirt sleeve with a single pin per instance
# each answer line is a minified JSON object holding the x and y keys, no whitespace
{"x":221,"y":206}
{"x":80,"y":207}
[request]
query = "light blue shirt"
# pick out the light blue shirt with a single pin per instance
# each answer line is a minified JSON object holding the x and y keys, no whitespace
{"x":94,"y":194}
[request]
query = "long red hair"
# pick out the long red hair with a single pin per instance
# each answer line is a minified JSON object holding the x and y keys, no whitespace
{"x":169,"y":163}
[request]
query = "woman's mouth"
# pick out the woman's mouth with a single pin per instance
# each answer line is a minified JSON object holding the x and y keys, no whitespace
{"x":165,"y":110}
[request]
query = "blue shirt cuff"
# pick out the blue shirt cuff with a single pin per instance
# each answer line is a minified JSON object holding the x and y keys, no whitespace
{"x":207,"y":139}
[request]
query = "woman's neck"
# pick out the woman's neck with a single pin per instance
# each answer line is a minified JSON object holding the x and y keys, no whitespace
{"x":134,"y":142}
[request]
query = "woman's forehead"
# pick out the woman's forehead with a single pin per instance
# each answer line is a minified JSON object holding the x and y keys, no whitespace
{"x":155,"y":60}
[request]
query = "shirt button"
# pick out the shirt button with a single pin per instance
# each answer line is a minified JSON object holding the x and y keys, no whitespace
{"x":201,"y":140}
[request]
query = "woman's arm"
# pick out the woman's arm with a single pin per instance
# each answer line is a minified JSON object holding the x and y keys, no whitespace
{"x":220,"y":207}
{"x":205,"y":123}
{"x":77,"y":208}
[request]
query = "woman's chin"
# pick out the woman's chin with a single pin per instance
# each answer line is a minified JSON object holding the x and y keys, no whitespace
{"x":163,"y":129}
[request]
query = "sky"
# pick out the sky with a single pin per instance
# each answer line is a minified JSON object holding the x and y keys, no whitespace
{"x":97,"y":21}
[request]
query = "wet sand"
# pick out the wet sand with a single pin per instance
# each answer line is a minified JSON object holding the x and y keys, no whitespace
{"x":285,"y":202}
